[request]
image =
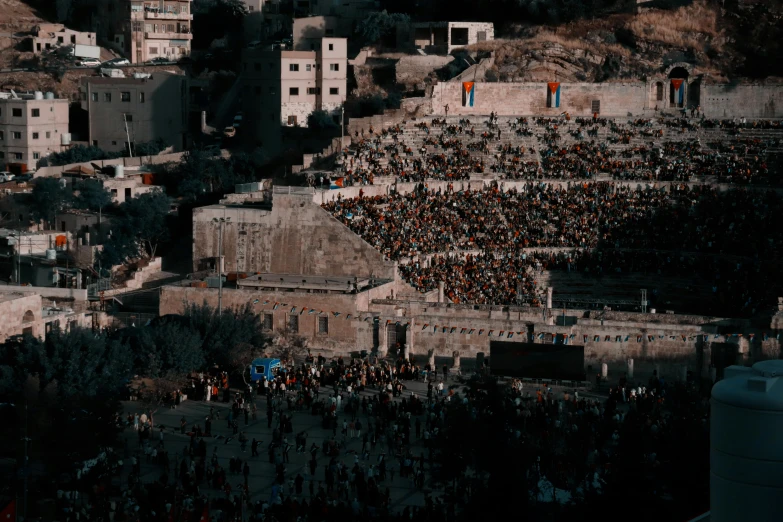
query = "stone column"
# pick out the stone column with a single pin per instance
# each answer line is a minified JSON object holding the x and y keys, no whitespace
{"x":456,"y":363}
{"x":630,"y":369}
{"x":431,"y":358}
{"x":406,"y":351}
{"x":743,"y":349}
{"x":604,"y":371}
{"x":549,"y":298}
{"x":441,"y":292}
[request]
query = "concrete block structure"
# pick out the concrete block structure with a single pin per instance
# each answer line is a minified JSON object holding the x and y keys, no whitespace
{"x":146,"y":29}
{"x":32,"y":126}
{"x":51,"y":36}
{"x":444,"y":37}
{"x":284,"y":87}
{"x":25,"y":313}
{"x":140,"y":108}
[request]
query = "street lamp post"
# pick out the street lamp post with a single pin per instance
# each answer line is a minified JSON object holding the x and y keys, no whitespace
{"x":220,"y":222}
{"x":342,"y":126}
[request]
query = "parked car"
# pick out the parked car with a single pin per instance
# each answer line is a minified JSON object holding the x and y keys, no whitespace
{"x":116,"y":62}
{"x":6,"y":176}
{"x":229,"y":132}
{"x":160,"y":59}
{"x":23,"y":178}
{"x":88,"y":62}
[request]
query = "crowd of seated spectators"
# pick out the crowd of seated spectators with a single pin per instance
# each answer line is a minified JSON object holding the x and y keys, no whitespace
{"x":664,"y":149}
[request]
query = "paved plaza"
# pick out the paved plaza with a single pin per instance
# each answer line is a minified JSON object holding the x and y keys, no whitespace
{"x":262,"y":472}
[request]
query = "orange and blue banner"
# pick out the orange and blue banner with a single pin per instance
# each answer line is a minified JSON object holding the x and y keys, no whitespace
{"x":679,"y":91}
{"x":468,"y":90}
{"x":337,"y":183}
{"x":554,"y":94}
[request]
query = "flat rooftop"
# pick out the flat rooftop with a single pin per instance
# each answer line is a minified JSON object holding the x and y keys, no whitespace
{"x":301,"y":282}
{"x":6,"y":297}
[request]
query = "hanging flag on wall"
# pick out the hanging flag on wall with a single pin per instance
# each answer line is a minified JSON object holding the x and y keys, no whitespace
{"x":337,"y":183}
{"x":553,"y":96}
{"x":468,"y":89}
{"x":679,"y":90}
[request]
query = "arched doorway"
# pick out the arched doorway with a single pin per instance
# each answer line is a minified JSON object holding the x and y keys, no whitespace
{"x":678,"y":87}
{"x":28,"y":317}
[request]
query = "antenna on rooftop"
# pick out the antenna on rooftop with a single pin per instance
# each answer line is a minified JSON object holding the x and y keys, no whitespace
{"x":15,"y":97}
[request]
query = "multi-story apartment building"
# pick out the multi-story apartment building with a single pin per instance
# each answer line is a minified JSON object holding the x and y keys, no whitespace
{"x":136,"y":110}
{"x":282,"y":88}
{"x":32,"y":126}
{"x":159,"y":29}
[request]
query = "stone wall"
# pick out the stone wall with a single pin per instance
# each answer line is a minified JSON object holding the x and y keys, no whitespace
{"x":301,"y":110}
{"x":295,"y":236}
{"x":20,"y":311}
{"x":616,"y":99}
{"x":411,"y":70}
{"x":738,"y":101}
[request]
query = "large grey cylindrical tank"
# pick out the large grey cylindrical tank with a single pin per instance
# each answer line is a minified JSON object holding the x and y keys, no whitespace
{"x":746,"y":444}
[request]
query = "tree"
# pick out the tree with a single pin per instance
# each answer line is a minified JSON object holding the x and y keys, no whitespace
{"x":92,"y":195}
{"x":165,"y":348}
{"x":320,"y":120}
{"x":287,"y":346}
{"x":49,"y":198}
{"x":380,"y":25}
{"x":144,"y":217}
{"x":77,"y":154}
{"x":63,"y":9}
{"x":222,"y":19}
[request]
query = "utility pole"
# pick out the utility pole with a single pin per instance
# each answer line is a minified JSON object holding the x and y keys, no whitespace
{"x":127,"y":134}
{"x":342,"y":126}
{"x":220,"y":222}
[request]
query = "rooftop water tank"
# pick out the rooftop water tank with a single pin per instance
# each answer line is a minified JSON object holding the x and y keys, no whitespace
{"x":49,"y":95}
{"x":65,"y":138}
{"x":119,"y":171}
{"x":38,"y":95}
{"x":746,"y":456}
{"x":51,"y":254}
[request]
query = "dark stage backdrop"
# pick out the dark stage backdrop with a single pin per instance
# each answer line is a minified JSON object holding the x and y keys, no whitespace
{"x":543,"y":361}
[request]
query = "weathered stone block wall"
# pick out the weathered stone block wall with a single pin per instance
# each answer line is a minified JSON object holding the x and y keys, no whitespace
{"x":295,"y":237}
{"x":616,"y":99}
{"x":14,"y":308}
{"x":414,"y":68}
{"x":737,"y":101}
{"x":299,"y":109}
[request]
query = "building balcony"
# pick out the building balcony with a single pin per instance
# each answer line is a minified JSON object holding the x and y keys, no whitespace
{"x":140,"y":16}
{"x":168,"y":36}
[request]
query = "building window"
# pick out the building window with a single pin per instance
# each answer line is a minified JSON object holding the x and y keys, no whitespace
{"x":2,"y":135}
{"x":334,"y":66}
{"x":94,"y":143}
{"x":94,"y":96}
{"x":596,"y":107}
{"x":153,"y":50}
{"x":36,"y":135}
{"x":128,"y":117}
{"x":16,"y":113}
{"x":16,"y":135}
{"x":141,"y":97}
{"x":293,"y":323}
{"x":292,"y":120}
{"x":293,"y":91}
{"x":107,"y":96}
{"x":323,"y":325}
{"x":293,"y":67}
{"x":331,"y":47}
{"x":125,"y":96}
{"x":267,"y":322}
{"x":35,"y":113}
{"x":114,"y":142}
{"x":334,"y":90}
{"x":311,"y":90}
{"x":36,"y":155}
{"x":17,"y":155}
{"x":48,"y":134}
{"x":308,"y":67}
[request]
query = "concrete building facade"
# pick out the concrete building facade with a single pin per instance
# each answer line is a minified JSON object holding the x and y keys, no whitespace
{"x":32,"y":126}
{"x":156,"y":29}
{"x":25,"y":313}
{"x":444,"y":37}
{"x":51,"y":36}
{"x":283,"y":87}
{"x":137,"y":110}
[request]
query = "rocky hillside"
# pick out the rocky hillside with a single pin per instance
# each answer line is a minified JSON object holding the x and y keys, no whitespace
{"x":625,"y":46}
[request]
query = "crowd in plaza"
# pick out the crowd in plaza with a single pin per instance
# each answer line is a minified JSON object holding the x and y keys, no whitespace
{"x":485,"y":244}
{"x":374,"y":429}
{"x":664,"y":149}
